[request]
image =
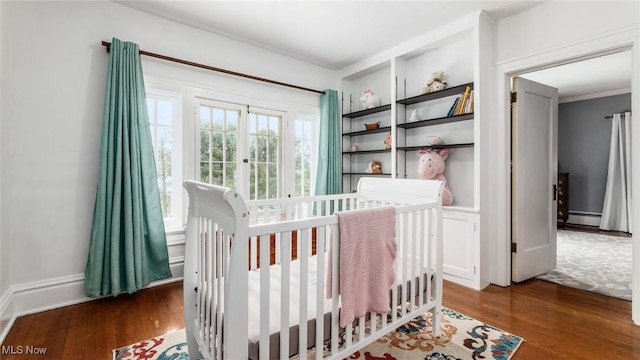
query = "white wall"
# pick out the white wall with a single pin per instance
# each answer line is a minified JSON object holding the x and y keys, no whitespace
{"x":54,"y":69}
{"x":5,"y":269}
{"x":556,"y":23}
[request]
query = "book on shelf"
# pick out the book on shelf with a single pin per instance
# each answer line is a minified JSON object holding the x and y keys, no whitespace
{"x":463,"y":103}
{"x":453,"y":106}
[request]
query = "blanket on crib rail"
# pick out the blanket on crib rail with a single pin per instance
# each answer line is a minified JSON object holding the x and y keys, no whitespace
{"x":367,"y":252}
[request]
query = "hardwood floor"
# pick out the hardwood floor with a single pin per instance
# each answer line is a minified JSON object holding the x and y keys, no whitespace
{"x":557,"y":322}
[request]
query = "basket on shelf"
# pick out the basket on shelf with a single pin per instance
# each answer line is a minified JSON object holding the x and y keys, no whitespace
{"x":372,"y":126}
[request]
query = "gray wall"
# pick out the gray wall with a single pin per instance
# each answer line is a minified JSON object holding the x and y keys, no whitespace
{"x":584,"y":137}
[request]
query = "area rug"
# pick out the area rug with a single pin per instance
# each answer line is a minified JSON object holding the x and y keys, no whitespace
{"x":462,"y":338}
{"x":594,"y":262}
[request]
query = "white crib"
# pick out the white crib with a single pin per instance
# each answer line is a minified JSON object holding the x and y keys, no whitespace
{"x":233,"y":301}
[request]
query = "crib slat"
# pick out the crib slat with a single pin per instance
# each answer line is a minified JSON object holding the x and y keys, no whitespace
{"x":253,"y":250}
{"x":265,"y":273}
{"x":320,"y":290}
{"x":285,"y":280}
{"x":209,"y":276}
{"x":416,"y":271}
{"x":422,"y":238}
{"x":335,"y":321}
{"x":405,"y":234}
{"x":303,"y":245}
{"x":220,"y":245}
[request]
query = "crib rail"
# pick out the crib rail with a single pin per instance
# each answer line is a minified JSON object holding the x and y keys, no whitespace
{"x":226,"y":237}
{"x":413,"y":292}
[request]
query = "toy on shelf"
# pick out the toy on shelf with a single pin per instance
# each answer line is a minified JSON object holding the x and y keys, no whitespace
{"x":369,"y":99}
{"x":374,"y":167}
{"x":436,"y":83}
{"x":387,"y":141}
{"x":431,"y":167}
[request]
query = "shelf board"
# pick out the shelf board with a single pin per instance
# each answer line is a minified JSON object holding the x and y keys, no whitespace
{"x":365,"y":152}
{"x":367,"y":111}
{"x":365,"y":132}
{"x":436,"y":147}
{"x":436,"y":121}
{"x":364,"y":173}
{"x":456,"y":90}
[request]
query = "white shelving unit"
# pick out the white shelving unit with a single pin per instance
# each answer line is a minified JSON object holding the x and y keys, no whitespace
{"x":462,"y":50}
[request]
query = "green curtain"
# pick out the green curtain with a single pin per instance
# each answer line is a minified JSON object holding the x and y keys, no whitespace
{"x":329,"y":174}
{"x":128,"y":247}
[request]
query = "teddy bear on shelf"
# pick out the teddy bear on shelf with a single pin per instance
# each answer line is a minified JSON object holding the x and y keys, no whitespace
{"x":431,"y":167}
{"x":369,"y":99}
{"x":374,"y":167}
{"x":436,"y":83}
{"x":387,"y":141}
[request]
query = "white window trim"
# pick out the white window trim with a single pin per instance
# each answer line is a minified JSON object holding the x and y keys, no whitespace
{"x":190,"y":93}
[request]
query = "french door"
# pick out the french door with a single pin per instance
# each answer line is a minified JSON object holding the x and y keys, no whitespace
{"x":241,"y":147}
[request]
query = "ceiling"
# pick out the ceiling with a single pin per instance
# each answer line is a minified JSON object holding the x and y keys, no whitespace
{"x":336,"y":34}
{"x":601,"y":75}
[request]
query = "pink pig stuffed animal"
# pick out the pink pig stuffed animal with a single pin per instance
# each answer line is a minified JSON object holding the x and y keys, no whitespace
{"x":431,"y":167}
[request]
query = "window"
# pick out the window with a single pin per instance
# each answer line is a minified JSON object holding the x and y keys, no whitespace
{"x":164,"y":125}
{"x":304,"y":143}
{"x":261,"y":148}
{"x":241,"y":148}
{"x":265,"y":169}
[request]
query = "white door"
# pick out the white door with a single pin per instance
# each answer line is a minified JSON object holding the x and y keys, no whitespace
{"x":534,"y":175}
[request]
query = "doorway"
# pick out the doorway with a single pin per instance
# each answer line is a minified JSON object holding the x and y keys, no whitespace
{"x":583,"y":142}
{"x":499,"y":145}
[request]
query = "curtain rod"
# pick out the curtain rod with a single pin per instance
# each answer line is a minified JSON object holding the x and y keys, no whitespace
{"x":207,"y":67}
{"x":611,"y":116}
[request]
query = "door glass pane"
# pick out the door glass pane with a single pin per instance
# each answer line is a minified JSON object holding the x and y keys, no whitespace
{"x":205,"y":146}
{"x":205,"y":117}
{"x":218,"y":145}
{"x":232,"y":120}
{"x":231,"y":147}
{"x":218,"y":119}
{"x":264,"y":144}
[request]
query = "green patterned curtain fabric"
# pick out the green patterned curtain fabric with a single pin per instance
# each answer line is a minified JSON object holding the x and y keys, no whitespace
{"x":128,"y":247}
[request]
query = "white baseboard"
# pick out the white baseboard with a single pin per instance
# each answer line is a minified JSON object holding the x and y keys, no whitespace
{"x":37,"y":296}
{"x":7,"y":315}
{"x":584,"y":219}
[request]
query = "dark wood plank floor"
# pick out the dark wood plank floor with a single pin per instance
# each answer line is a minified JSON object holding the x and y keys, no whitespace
{"x":557,"y":322}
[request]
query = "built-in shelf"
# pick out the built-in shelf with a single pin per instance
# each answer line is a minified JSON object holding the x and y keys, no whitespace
{"x":436,"y":121}
{"x":456,"y":90}
{"x":366,"y":132}
{"x":365,"y":152}
{"x":436,"y":147}
{"x":367,"y":111}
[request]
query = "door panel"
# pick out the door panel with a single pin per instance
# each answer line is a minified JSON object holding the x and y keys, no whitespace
{"x":534,"y":175}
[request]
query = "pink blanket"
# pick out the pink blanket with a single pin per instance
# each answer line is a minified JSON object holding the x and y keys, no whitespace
{"x":367,"y":252}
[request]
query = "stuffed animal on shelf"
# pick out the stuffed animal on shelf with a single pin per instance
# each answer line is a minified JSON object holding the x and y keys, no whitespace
{"x":433,"y":140}
{"x":387,"y":141}
{"x":436,"y":83}
{"x":374,"y":167}
{"x":431,"y":167}
{"x":369,"y":99}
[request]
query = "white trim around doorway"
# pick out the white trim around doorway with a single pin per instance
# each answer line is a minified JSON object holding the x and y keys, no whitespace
{"x":500,"y":146}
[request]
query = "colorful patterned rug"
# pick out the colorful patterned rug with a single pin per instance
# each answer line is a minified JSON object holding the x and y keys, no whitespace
{"x":462,"y":338}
